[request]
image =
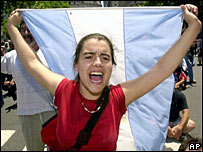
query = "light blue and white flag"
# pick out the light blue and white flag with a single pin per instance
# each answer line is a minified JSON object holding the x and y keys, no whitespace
{"x":140,"y":37}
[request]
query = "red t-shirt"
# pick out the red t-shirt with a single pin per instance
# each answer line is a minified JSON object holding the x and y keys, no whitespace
{"x":72,"y":117}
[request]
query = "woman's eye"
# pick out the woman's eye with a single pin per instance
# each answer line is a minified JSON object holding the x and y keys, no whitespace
{"x":105,"y":58}
{"x":88,"y":57}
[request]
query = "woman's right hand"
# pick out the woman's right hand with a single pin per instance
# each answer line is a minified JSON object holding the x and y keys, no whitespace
{"x":28,"y":58}
{"x":14,"y":18}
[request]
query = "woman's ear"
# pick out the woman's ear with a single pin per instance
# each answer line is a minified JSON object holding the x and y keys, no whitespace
{"x":76,"y":67}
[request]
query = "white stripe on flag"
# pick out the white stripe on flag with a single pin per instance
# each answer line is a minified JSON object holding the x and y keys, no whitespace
{"x":85,"y":22}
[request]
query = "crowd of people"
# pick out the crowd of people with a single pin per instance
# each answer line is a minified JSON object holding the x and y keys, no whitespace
{"x":180,"y":126}
{"x":35,"y":103}
{"x":8,"y":84}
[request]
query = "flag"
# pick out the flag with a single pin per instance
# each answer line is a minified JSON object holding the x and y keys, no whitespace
{"x":140,"y":37}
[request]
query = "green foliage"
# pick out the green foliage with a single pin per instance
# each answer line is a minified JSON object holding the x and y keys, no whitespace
{"x":51,"y":4}
{"x":8,"y":6}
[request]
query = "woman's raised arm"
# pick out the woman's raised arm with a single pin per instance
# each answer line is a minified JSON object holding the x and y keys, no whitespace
{"x":43,"y":75}
{"x":167,"y":64}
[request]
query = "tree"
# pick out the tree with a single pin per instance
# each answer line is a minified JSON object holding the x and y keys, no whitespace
{"x":176,"y":3}
{"x":8,"y":6}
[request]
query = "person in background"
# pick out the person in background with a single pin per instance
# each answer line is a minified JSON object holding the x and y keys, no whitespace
{"x":179,"y":126}
{"x":10,"y":86}
{"x":191,"y":144}
{"x":180,"y":77}
{"x":200,"y":56}
{"x":33,"y":100}
{"x":190,"y":68}
{"x":3,"y":51}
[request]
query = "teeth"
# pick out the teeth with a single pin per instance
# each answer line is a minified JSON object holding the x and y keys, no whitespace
{"x":96,"y":81}
{"x":96,"y":73}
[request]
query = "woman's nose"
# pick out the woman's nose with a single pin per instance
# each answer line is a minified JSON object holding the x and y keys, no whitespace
{"x":97,"y":61}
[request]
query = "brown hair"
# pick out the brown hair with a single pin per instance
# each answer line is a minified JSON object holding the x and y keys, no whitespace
{"x":186,"y":143}
{"x":92,"y":36}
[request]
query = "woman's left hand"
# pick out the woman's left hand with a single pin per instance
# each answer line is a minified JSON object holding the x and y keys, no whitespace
{"x":190,"y":14}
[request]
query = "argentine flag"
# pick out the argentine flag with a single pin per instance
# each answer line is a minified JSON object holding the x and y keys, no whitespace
{"x":140,"y":37}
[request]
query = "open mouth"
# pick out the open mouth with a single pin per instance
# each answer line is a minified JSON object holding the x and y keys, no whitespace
{"x":96,"y":77}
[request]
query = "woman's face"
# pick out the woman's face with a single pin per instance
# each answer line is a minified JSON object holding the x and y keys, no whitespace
{"x":94,"y":67}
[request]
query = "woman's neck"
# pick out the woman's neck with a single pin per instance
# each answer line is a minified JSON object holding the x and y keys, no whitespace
{"x":87,"y":94}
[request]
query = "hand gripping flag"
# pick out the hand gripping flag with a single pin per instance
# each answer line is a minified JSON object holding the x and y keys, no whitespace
{"x":140,"y":37}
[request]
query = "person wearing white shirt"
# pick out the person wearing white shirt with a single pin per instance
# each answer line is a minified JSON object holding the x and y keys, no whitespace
{"x":33,"y":100}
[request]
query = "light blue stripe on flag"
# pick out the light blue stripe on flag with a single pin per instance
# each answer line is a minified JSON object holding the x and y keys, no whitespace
{"x":55,"y":37}
{"x":148,"y":35}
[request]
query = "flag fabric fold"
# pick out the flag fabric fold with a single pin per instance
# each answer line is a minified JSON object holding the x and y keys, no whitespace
{"x":140,"y":37}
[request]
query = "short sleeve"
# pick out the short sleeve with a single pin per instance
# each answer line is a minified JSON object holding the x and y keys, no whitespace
{"x":182,"y":101}
{"x":8,"y":61}
{"x":63,"y":86}
{"x":118,"y":97}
